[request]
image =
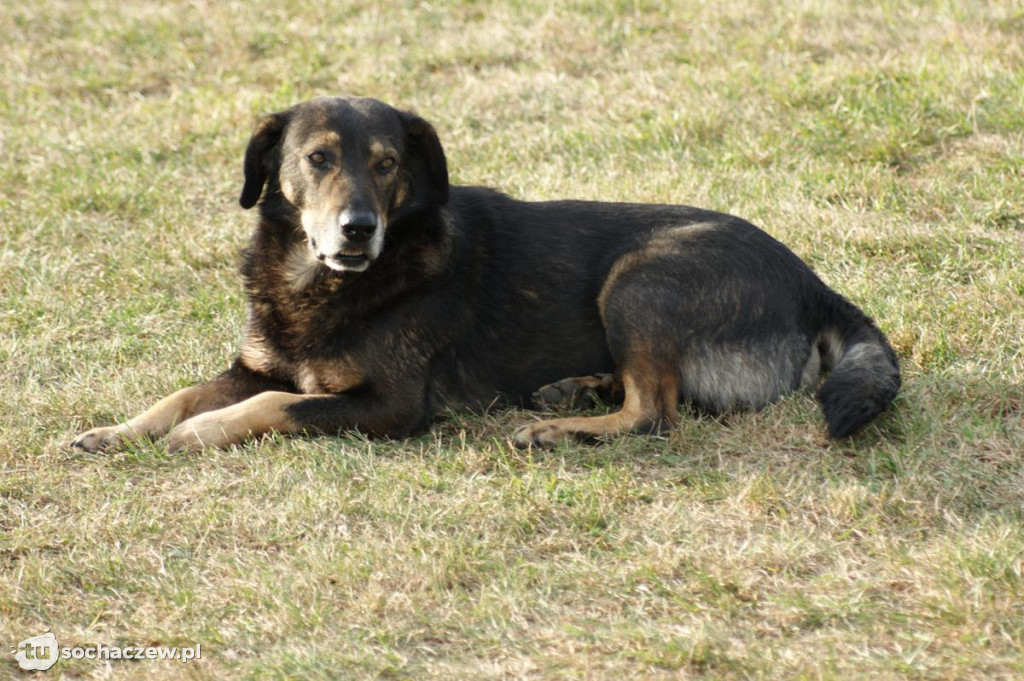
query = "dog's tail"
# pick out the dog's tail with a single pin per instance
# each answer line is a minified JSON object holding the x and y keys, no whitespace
{"x":865,"y":372}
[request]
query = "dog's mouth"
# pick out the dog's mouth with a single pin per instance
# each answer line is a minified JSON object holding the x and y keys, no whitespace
{"x":344,"y":255}
{"x":347,"y":261}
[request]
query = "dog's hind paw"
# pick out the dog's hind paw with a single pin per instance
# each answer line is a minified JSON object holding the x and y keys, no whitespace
{"x":538,"y":435}
{"x":579,"y":393}
{"x":547,"y":434}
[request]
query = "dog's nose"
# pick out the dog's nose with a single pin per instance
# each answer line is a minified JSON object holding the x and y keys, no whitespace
{"x":359,"y":227}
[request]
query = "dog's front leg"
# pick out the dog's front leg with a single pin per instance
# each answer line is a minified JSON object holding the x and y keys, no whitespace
{"x":232,"y":386}
{"x":289,"y":413}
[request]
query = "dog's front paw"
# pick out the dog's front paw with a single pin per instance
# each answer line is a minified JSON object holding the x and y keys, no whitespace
{"x":101,"y":439}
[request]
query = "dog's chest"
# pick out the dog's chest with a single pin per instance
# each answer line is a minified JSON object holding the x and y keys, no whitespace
{"x":263,"y":353}
{"x":310,"y":376}
{"x":331,"y":377}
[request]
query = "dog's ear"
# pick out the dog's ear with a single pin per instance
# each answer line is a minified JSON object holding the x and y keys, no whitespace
{"x":426,"y":167}
{"x":257,"y":155}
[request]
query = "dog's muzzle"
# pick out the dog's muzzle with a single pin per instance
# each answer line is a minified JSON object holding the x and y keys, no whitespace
{"x":353,"y":245}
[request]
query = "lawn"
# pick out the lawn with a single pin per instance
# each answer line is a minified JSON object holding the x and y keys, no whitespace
{"x":882,"y":141}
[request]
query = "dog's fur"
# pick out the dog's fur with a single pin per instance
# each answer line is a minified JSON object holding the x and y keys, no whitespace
{"x":379,"y":295}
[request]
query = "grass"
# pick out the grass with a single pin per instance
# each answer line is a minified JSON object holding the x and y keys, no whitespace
{"x":883,"y":141}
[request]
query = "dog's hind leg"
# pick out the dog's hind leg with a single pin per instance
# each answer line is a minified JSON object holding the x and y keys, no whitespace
{"x":650,"y":403}
{"x":581,"y":393}
{"x":639,"y":310}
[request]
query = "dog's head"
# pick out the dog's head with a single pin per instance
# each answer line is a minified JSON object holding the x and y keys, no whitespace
{"x":350,"y":167}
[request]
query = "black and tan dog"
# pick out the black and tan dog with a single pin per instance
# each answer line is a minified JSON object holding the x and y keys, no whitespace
{"x":379,"y":295}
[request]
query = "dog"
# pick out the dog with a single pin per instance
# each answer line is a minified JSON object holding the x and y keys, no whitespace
{"x":379,"y":296}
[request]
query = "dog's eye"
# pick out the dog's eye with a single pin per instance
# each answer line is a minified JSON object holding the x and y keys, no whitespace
{"x":386,"y":166}
{"x":317,"y":158}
